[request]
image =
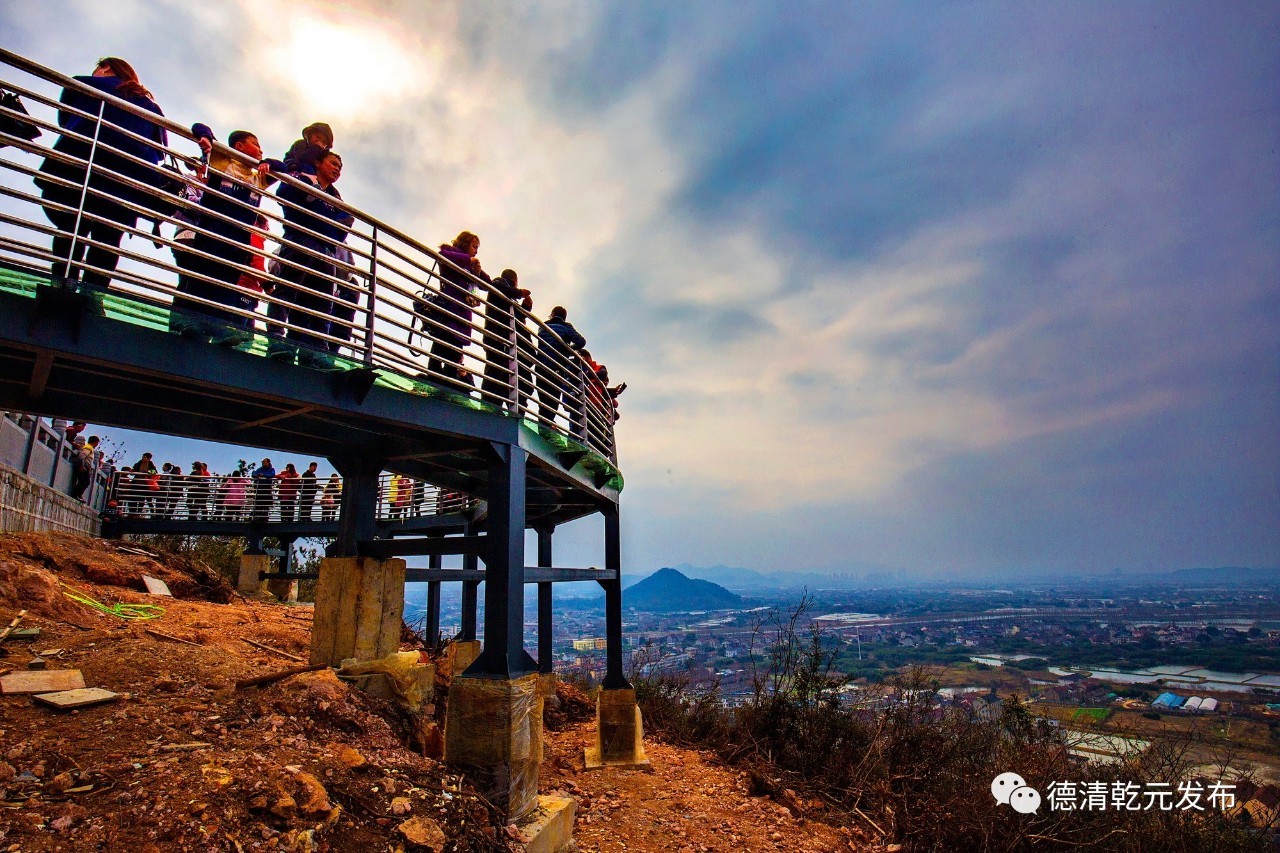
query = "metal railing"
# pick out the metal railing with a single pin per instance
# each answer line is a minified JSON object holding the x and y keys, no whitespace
{"x":242,"y":497}
{"x":40,"y":450}
{"x":343,"y":290}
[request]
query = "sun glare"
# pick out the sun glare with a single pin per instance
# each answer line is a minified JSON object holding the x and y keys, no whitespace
{"x":344,"y":71}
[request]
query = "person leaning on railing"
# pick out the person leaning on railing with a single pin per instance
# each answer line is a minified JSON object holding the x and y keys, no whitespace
{"x":233,"y":190}
{"x":613,"y":392}
{"x":112,"y":76}
{"x":331,"y":498}
{"x":304,"y":154}
{"x":233,"y":495}
{"x":558,"y":365}
{"x":82,"y":460}
{"x":199,"y":490}
{"x":310,"y":283}
{"x":502,"y":326}
{"x":451,"y":309}
{"x":290,"y":481}
{"x":172,"y":489}
{"x":307,"y":494}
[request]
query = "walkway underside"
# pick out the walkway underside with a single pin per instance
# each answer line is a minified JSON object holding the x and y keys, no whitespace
{"x":52,"y":362}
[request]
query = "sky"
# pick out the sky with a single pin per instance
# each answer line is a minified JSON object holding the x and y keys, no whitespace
{"x":944,"y":289}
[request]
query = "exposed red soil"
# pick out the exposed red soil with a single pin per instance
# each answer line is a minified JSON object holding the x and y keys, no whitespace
{"x":185,"y":761}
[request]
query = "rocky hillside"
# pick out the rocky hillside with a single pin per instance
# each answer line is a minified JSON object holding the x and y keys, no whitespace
{"x":184,"y":759}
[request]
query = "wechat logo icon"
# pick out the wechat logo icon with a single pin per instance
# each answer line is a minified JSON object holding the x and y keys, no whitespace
{"x":1012,"y":790}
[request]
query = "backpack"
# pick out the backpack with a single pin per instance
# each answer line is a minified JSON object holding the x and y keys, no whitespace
{"x":12,"y":121}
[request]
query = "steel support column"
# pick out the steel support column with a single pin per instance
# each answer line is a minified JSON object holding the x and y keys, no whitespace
{"x":470,"y":605}
{"x":503,"y":656}
{"x":432,"y":629}
{"x":614,"y":678}
{"x":470,"y":591}
{"x":544,"y":602}
{"x":358,"y":519}
{"x":286,"y":555}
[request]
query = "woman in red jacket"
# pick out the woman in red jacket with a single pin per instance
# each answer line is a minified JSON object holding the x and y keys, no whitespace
{"x":287,"y":492}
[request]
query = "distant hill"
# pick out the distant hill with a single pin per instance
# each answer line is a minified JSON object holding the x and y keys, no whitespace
{"x":1225,"y":575}
{"x":667,"y":590}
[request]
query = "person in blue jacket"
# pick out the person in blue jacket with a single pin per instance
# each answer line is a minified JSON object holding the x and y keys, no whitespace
{"x":264,"y":478}
{"x":559,"y":368}
{"x":112,"y":76}
{"x":232,"y":194}
{"x":307,"y":261}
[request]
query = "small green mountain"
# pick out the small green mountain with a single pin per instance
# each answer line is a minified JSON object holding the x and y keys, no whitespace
{"x":669,"y":591}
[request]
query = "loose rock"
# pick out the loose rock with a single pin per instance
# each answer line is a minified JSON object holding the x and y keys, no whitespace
{"x":422,"y":833}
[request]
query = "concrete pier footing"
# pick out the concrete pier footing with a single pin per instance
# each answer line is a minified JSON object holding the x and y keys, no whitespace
{"x":493,"y":734}
{"x":248,"y":583}
{"x":359,"y":609}
{"x":619,"y":732}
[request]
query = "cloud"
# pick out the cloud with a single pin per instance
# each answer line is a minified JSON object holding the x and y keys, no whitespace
{"x":923,"y":284}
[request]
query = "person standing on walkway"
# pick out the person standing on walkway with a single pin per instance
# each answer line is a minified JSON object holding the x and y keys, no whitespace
{"x":315,"y":230}
{"x":307,"y":494}
{"x":290,"y":483}
{"x":331,"y":500}
{"x":263,"y":477}
{"x":82,"y":459}
{"x":233,"y":191}
{"x":559,"y":370}
{"x":127,"y":144}
{"x":506,"y":339}
{"x":450,"y":310}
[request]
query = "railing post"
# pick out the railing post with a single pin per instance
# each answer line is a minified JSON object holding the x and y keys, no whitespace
{"x":513,"y":357}
{"x":31,"y":445}
{"x":373,"y":300}
{"x":113,"y":486}
{"x":577,"y":364}
{"x":84,"y":189}
{"x":57,"y":458}
{"x":470,"y":591}
{"x":432,"y":627}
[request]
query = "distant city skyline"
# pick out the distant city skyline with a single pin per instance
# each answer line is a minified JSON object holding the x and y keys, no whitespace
{"x":974,"y":290}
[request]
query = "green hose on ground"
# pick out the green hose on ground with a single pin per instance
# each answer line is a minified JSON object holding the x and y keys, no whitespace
{"x":119,"y":609}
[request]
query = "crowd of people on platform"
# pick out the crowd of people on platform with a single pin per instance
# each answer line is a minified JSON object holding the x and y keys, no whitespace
{"x":257,"y":493}
{"x":219,"y":251}
{"x":254,"y":493}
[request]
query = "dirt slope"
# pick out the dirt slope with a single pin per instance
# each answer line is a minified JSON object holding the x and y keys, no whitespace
{"x":185,"y":761}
